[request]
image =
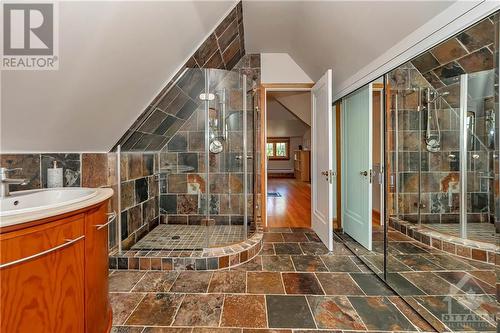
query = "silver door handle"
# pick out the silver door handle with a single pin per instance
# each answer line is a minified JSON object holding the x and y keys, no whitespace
{"x":67,"y":243}
{"x":324,"y":173}
{"x":363,"y":173}
{"x":111,"y":218}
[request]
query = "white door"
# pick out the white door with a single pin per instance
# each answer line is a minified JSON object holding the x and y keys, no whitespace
{"x":357,"y":122}
{"x":322,"y":160}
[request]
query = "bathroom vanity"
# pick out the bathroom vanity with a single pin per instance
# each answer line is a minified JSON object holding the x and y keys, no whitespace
{"x":54,"y":263}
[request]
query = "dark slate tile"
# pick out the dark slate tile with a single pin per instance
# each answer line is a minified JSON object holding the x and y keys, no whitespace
{"x":308,"y":263}
{"x":178,"y":143}
{"x":449,"y":73}
{"x":156,"y":309}
{"x":30,"y":164}
{"x":337,"y":263}
{"x":208,"y":48}
{"x":232,"y":53}
{"x":141,"y":190}
{"x":143,"y":142}
{"x":177,"y":183}
{"x":417,"y":262}
{"x":371,"y":284}
{"x":334,"y":312}
{"x":448,"y":51}
{"x":287,"y":248}
{"x":378,"y":313}
{"x":425,"y":62}
{"x":165,"y":125}
{"x":157,"y":143}
{"x":168,"y":97}
{"x":168,"y":204}
{"x":192,"y":282}
{"x":338,"y":284}
{"x":430,"y":283}
{"x":402,"y":286}
{"x":461,"y":318}
{"x":192,"y":83}
{"x":153,"y":121}
{"x":215,"y":61}
{"x":467,"y":283}
{"x":277,"y":263}
{"x":124,"y":225}
{"x":279,"y":309}
{"x":174,"y":128}
{"x":70,"y":164}
{"x":187,"y":110}
{"x":156,"y":282}
{"x":480,"y":60}
{"x":124,"y":281}
{"x":301,"y":283}
{"x":228,"y":35}
{"x":200,"y":310}
{"x":189,"y":161}
{"x":131,"y":141}
{"x":177,"y":104}
{"x":478,"y":36}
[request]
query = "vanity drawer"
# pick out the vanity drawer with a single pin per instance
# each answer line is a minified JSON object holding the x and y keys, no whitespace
{"x":20,"y":245}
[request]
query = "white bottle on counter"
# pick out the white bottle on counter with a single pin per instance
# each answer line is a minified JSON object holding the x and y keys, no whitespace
{"x":54,"y":176}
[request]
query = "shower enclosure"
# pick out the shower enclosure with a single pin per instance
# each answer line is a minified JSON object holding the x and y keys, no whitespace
{"x":206,"y":168}
{"x":443,"y":152}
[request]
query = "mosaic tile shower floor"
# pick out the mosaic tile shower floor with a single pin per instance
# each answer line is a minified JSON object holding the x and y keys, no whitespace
{"x":189,"y":237}
{"x":481,"y":232}
{"x":295,"y":274}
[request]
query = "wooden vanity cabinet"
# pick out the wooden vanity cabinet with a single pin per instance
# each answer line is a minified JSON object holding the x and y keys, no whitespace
{"x":54,"y":274}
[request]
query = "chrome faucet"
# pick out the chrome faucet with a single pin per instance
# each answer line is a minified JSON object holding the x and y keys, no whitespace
{"x":5,"y":181}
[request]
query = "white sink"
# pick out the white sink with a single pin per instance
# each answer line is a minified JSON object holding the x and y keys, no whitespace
{"x":37,"y":200}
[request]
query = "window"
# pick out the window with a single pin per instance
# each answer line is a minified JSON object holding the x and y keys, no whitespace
{"x":278,"y":148}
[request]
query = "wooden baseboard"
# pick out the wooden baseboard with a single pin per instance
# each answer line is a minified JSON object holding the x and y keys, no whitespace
{"x":280,"y":175}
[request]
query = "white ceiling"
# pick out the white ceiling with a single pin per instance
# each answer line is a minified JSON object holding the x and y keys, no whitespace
{"x":114,"y":58}
{"x":342,"y":35}
{"x":282,"y":122}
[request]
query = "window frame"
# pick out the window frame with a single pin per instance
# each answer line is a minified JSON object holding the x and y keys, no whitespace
{"x":274,"y":141}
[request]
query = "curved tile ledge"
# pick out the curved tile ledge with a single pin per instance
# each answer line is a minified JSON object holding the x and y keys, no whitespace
{"x":207,"y":259}
{"x":460,"y":247}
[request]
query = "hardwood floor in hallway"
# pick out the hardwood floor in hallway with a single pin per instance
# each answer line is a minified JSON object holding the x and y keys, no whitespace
{"x":293,"y":208}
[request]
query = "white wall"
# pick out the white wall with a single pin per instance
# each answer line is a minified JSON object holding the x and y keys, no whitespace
{"x":286,"y":164}
{"x":281,"y":68}
{"x":115,"y":56}
{"x":298,"y":102}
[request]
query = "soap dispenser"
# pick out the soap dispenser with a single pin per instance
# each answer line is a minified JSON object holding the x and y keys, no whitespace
{"x":54,"y":176}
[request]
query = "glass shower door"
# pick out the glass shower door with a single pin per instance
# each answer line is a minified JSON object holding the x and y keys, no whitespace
{"x":227,"y":154}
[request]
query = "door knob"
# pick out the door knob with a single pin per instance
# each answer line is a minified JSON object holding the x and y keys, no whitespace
{"x":324,"y":173}
{"x":363,"y":173}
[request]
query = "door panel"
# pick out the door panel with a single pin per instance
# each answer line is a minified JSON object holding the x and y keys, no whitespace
{"x":357,"y":130}
{"x":322,"y":160}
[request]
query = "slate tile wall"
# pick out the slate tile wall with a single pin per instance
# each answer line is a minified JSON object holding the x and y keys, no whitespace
{"x":469,"y":52}
{"x":168,"y":111}
{"x":139,"y":196}
{"x":182,"y":162}
{"x":79,"y":170}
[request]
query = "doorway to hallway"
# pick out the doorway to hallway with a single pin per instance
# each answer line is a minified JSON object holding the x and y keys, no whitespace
{"x":288,"y":203}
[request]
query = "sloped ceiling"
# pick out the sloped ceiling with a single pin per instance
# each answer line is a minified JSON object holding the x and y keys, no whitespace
{"x":342,"y":35}
{"x":114,"y":59}
{"x":297,"y":102}
{"x":281,"y":122}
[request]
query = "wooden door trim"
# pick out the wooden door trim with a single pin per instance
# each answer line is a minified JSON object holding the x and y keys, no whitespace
{"x":264,"y":87}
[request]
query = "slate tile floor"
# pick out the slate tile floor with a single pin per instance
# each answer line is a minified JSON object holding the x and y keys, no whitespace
{"x":295,"y":285}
